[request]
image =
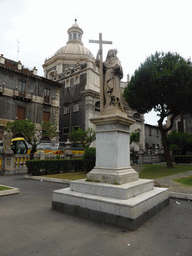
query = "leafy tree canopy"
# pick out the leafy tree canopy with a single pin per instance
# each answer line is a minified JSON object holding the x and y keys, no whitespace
{"x":179,"y":142}
{"x":49,"y":129}
{"x":84,"y":137}
{"x":24,"y":127}
{"x":163,"y":83}
{"x":27,"y":128}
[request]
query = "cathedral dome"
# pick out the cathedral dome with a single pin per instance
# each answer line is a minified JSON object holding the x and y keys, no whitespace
{"x":69,"y":55}
{"x":74,"y":45}
{"x":75,"y":49}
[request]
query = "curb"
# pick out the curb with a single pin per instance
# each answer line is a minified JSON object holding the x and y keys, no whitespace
{"x":48,"y":179}
{"x":8,"y":192}
{"x":180,"y":195}
{"x":171,"y":194}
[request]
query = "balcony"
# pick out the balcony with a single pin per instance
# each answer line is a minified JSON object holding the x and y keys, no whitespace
{"x":22,"y":95}
{"x":1,"y":89}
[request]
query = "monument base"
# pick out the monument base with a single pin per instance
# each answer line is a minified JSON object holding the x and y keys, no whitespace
{"x":112,"y":219}
{"x":127,"y":206}
{"x":112,"y":192}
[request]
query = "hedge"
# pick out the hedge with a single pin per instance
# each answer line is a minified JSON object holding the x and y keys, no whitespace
{"x":89,"y":158}
{"x":183,"y":159}
{"x":52,"y":166}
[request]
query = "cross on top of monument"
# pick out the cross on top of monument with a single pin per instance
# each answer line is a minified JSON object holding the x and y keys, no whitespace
{"x":101,"y":42}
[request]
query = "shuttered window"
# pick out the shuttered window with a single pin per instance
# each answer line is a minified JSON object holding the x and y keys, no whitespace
{"x":20,"y":113}
{"x":46,"y":116}
{"x":22,"y":88}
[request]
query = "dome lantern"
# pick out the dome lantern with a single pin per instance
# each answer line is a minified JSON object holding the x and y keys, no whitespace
{"x":75,"y":34}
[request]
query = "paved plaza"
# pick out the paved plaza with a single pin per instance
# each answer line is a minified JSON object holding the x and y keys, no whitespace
{"x":30,"y":227}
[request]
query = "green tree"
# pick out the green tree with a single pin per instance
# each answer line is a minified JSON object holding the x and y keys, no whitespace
{"x":134,"y":137}
{"x":163,"y":83}
{"x":49,"y":129}
{"x":84,"y":137}
{"x":179,"y":142}
{"x":28,"y":130}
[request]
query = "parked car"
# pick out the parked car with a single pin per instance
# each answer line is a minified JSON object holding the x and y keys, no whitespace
{"x":44,"y":146}
{"x":48,"y":146}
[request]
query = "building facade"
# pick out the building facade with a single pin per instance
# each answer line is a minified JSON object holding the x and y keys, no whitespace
{"x":152,"y":138}
{"x":182,"y":123}
{"x":25,"y":95}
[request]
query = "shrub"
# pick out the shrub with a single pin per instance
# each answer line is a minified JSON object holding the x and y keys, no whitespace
{"x":134,"y":137}
{"x":183,"y":159}
{"x":89,"y":158}
{"x":43,"y":167}
{"x":179,"y":142}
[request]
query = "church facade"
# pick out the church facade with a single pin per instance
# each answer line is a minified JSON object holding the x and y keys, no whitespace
{"x":74,"y":67}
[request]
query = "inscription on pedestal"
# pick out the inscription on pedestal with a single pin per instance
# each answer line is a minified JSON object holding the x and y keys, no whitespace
{"x":8,"y":162}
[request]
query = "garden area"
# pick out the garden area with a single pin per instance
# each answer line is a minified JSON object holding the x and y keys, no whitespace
{"x":75,"y":170}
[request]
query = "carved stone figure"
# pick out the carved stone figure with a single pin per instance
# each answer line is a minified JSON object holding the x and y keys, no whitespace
{"x":7,"y":137}
{"x":112,"y":74}
{"x":55,"y":78}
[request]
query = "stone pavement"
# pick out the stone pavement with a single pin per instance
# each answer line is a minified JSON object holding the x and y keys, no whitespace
{"x":30,"y":227}
{"x":175,"y":186}
{"x":176,"y":189}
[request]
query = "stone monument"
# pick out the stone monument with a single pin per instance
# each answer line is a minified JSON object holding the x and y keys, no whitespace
{"x":8,"y":155}
{"x":7,"y":137}
{"x":112,"y":192}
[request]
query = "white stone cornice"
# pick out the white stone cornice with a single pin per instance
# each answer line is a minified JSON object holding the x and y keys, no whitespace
{"x":90,"y":92}
{"x":114,"y":118}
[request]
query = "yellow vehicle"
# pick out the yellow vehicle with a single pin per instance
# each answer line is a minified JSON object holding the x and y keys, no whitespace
{"x":19,"y":146}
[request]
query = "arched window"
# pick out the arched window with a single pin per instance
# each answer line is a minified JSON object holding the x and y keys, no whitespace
{"x":97,"y":106}
{"x":74,"y":36}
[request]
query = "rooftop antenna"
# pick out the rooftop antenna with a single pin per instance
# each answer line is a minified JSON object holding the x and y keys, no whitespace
{"x":17,"y":50}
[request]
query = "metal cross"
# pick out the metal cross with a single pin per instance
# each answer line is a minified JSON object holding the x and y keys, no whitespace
{"x":101,"y":42}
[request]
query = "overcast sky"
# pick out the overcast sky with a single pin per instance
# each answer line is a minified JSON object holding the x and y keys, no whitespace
{"x":137,"y":28}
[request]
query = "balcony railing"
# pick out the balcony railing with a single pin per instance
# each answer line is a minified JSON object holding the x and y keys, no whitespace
{"x":22,"y":95}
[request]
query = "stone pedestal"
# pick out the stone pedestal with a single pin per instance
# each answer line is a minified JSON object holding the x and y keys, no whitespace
{"x":42,"y":155}
{"x":112,"y":150}
{"x":112,"y":193}
{"x":9,"y":162}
